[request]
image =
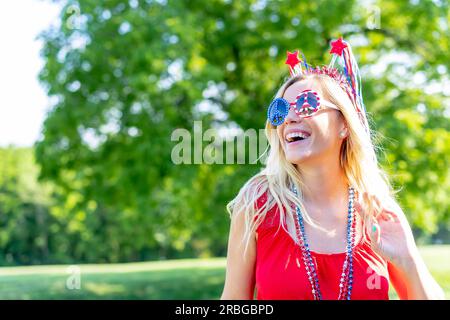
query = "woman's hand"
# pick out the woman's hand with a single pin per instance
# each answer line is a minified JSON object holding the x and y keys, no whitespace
{"x":390,"y":233}
{"x":392,"y":238}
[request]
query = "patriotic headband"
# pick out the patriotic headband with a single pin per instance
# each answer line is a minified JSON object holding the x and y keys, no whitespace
{"x":342,"y":68}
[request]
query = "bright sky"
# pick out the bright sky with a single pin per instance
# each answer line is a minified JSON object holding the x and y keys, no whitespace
{"x":23,"y":102}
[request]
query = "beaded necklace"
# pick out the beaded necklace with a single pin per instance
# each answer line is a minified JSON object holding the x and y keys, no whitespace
{"x":346,"y":280}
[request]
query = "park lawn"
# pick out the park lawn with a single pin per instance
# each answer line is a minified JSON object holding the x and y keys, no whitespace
{"x":172,"y":279}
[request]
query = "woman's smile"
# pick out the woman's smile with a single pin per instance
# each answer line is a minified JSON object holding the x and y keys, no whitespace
{"x":295,"y":138}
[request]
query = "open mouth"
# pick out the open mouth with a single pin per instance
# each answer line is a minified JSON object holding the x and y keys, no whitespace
{"x":297,"y":136}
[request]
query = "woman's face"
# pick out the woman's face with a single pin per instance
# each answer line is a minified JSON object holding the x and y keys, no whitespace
{"x":322,"y":141}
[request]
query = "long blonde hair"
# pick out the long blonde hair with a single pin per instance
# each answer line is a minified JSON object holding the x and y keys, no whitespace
{"x":357,"y":159}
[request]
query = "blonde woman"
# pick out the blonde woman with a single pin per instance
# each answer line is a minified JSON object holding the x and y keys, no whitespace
{"x":320,"y":221}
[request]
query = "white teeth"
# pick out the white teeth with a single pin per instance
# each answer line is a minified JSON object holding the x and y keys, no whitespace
{"x":292,"y":135}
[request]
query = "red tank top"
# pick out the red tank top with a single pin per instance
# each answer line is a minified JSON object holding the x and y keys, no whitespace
{"x":281,"y":275}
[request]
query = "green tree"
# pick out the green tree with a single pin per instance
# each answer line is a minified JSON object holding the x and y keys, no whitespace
{"x":25,"y":219}
{"x":124,"y":75}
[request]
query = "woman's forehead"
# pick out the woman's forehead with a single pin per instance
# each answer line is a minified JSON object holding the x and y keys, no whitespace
{"x":294,"y":90}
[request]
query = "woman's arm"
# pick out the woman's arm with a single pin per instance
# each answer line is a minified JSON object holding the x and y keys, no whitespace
{"x":413,"y":281}
{"x":240,"y":272}
{"x":392,"y":238}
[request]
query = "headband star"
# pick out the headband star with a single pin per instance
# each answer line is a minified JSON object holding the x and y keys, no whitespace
{"x":292,"y":59}
{"x":337,"y":46}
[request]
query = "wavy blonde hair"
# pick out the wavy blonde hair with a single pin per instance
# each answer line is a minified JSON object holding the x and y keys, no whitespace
{"x":357,"y":159}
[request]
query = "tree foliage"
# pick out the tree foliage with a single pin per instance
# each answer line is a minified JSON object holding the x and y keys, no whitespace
{"x":124,"y":75}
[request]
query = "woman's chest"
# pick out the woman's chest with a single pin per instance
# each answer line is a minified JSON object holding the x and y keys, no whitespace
{"x":281,"y":274}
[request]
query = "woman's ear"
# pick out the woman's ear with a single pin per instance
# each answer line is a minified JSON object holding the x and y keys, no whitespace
{"x":343,"y":132}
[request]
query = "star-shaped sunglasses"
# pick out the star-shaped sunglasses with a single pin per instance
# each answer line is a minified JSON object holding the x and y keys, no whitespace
{"x":305,"y":105}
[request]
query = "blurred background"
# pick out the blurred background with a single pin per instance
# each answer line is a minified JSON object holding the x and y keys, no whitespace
{"x":91,"y":204}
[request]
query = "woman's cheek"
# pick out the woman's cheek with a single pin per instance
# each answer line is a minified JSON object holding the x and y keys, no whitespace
{"x":280,"y":136}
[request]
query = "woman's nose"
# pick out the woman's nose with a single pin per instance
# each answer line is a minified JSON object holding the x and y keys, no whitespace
{"x":291,"y":116}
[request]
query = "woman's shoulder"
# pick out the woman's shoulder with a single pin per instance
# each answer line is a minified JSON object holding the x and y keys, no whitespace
{"x":261,"y":201}
{"x":255,"y":190}
{"x":269,"y":211}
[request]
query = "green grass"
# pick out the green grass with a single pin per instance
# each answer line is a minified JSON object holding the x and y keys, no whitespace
{"x":174,"y":279}
{"x":437,"y":259}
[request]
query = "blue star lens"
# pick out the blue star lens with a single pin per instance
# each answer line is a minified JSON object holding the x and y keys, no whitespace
{"x":299,"y":104}
{"x":312,"y":100}
{"x":278,"y":110}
